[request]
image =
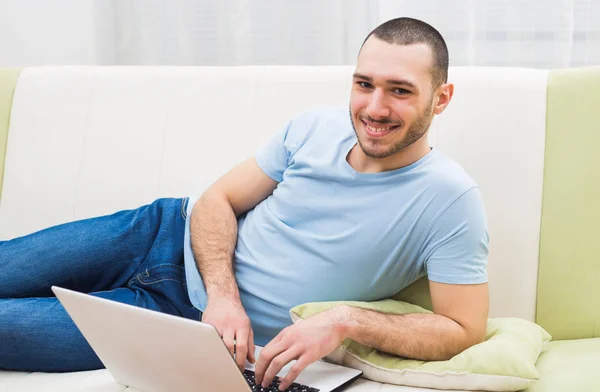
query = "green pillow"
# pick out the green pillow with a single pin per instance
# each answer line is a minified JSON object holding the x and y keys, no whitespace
{"x":505,"y":361}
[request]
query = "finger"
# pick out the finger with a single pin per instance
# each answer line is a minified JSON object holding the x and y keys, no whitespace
{"x":279,"y":362}
{"x":228,"y":340}
{"x":241,"y":348}
{"x":251,"y":347}
{"x":265,"y":357}
{"x":294,"y":372}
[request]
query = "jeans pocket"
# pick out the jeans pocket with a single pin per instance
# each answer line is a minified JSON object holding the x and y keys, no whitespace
{"x":162,"y":273}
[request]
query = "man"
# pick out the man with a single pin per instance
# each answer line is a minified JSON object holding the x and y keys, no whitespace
{"x":335,"y":207}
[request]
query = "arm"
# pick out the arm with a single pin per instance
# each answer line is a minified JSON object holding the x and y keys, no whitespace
{"x":213,"y":232}
{"x":213,"y":226}
{"x":455,"y":253}
{"x":459,"y":321}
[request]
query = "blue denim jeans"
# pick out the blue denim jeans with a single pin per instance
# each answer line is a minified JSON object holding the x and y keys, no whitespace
{"x":133,"y":256}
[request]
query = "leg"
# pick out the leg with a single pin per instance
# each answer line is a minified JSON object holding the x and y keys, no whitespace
{"x":37,"y":334}
{"x":90,"y":255}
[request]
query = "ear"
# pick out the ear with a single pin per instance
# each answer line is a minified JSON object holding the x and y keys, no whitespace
{"x":444,"y":95}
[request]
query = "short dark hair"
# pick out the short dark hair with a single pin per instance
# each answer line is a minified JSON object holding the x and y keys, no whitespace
{"x":409,"y":31}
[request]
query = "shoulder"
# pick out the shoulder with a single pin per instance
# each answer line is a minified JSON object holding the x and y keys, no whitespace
{"x":449,"y":177}
{"x":320,"y":123}
{"x":453,"y":193}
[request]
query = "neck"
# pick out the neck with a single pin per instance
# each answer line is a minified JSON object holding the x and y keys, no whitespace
{"x":409,"y":155}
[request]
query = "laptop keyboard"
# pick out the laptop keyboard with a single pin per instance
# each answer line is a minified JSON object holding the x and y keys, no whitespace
{"x":274,"y":387}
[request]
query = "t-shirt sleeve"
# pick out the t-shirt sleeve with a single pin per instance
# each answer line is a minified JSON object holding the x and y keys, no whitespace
{"x":274,"y":157}
{"x":457,"y":247}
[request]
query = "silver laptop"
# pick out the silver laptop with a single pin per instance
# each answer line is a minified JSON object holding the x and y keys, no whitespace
{"x":156,"y":352}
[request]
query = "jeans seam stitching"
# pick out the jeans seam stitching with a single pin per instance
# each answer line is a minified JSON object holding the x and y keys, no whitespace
{"x":160,"y":280}
{"x":183,"y":210}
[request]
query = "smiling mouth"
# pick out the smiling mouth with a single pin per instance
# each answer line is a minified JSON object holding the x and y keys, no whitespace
{"x":379,"y":131}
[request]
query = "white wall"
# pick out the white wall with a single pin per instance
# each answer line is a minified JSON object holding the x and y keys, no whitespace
{"x":37,"y":32}
{"x":531,"y":33}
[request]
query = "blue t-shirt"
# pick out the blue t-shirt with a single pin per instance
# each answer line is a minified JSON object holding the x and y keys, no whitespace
{"x":330,"y":233}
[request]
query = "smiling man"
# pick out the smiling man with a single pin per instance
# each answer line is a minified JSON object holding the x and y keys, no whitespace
{"x":335,"y":207}
{"x":342,"y":207}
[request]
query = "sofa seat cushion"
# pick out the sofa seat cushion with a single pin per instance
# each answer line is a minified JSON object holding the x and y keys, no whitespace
{"x":96,"y":381}
{"x":569,"y":365}
{"x":102,"y":381}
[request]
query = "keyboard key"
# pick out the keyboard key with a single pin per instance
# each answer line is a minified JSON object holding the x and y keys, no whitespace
{"x":274,"y":387}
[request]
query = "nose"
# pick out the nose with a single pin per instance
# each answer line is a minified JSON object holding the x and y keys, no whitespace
{"x":377,"y":107}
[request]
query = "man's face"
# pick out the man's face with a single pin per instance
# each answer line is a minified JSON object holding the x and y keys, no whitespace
{"x":391,"y":103}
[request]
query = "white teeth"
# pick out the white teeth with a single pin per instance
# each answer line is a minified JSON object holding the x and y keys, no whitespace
{"x":377,"y":130}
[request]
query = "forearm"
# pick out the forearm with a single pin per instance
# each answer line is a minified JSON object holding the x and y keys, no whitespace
{"x":213,"y":232}
{"x":427,"y":337}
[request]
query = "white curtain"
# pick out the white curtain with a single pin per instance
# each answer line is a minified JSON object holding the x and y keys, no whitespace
{"x":532,"y":33}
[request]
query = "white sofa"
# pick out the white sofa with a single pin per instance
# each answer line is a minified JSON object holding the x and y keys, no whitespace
{"x":85,"y":141}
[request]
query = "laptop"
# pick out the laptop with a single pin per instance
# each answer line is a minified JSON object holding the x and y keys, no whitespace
{"x":156,"y":352}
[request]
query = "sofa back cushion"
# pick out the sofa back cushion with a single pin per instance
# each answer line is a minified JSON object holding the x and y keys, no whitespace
{"x":8,"y":81}
{"x":86,"y":141}
{"x":569,"y":276}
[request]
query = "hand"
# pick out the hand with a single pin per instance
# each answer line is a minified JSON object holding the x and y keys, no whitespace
{"x":232,"y":323}
{"x":306,"y":341}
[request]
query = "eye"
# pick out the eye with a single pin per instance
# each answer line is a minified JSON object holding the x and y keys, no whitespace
{"x":365,"y":85}
{"x":401,"y":91}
